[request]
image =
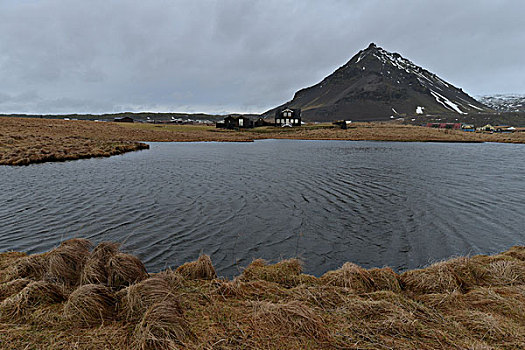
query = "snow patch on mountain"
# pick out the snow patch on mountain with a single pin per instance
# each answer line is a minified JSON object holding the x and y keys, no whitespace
{"x":446,"y":102}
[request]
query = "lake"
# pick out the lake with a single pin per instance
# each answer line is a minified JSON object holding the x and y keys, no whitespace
{"x":404,"y":205}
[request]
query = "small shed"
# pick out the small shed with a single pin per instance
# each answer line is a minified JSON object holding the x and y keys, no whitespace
{"x":124,"y":120}
{"x":288,"y":116}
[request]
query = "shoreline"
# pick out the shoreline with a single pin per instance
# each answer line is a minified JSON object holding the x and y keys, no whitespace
{"x":25,"y":141}
{"x":84,"y":297}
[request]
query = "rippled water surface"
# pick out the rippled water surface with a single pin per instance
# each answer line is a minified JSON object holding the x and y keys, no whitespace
{"x":328,"y":202}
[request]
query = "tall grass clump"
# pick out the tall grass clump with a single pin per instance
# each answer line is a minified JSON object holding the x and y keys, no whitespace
{"x":90,"y":305}
{"x":124,"y":270}
{"x":200,"y":269}
{"x":95,"y":269}
{"x":67,"y":261}
{"x":137,"y":298}
{"x":163,"y":327}
{"x":33,"y":295}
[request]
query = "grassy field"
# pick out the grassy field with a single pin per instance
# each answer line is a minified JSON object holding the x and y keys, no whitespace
{"x":31,"y":140}
{"x":80,"y":297}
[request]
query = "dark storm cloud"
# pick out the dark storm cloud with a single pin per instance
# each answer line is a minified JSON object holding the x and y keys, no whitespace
{"x":61,"y":56}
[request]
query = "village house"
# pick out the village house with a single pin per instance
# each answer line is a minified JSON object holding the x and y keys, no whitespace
{"x":505,"y":129}
{"x":468,"y":127}
{"x":235,"y":122}
{"x":486,"y":128}
{"x":124,"y":120}
{"x":288,"y":117}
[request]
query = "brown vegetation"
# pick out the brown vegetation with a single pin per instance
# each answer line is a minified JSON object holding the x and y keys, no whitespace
{"x":30,"y":140}
{"x":462,"y":303}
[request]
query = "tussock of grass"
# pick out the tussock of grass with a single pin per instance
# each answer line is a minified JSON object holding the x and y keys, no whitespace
{"x":458,"y":274}
{"x":12,"y":287}
{"x":31,"y":296}
{"x":462,"y":303}
{"x":286,"y":273}
{"x":350,"y":276}
{"x":136,"y":299}
{"x":7,"y":259}
{"x":162,"y":327}
{"x":172,"y":277}
{"x":200,"y":269}
{"x":125,"y":269}
{"x":32,"y":267}
{"x":90,"y":305}
{"x":95,"y":270}
{"x":67,"y":261}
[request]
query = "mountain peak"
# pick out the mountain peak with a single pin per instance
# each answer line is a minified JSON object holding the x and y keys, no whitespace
{"x":377,"y":84}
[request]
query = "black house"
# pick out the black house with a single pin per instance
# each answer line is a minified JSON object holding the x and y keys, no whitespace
{"x":236,"y":122}
{"x":288,"y":116}
{"x":124,"y":120}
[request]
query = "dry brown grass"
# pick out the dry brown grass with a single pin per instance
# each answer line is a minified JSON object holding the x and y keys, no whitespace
{"x":67,"y":261}
{"x":30,"y":297}
{"x":350,"y":276}
{"x":90,"y":304}
{"x":29,"y":140}
{"x":291,"y":319}
{"x":25,"y":141}
{"x":462,"y":303}
{"x":459,"y":274}
{"x":33,"y":267}
{"x":163,"y":327}
{"x":287,"y":273}
{"x":136,"y":299}
{"x":200,"y":269}
{"x":125,"y":269}
{"x":12,"y":287}
{"x":95,"y":269}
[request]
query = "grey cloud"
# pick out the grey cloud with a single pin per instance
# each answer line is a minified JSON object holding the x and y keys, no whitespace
{"x":247,"y":56}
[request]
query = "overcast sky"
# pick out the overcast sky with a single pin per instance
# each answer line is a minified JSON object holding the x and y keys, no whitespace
{"x":96,"y":56}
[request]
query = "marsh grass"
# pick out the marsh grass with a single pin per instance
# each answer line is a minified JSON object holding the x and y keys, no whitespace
{"x":463,"y":303}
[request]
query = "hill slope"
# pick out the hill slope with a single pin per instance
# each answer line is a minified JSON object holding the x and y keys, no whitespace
{"x":376,"y":85}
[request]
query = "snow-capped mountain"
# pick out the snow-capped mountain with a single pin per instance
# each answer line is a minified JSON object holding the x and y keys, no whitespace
{"x":504,"y":102}
{"x":376,"y":84}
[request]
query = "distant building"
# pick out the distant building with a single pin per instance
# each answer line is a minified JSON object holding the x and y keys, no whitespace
{"x":486,"y":128}
{"x":288,"y":116}
{"x":124,"y":120}
{"x":235,"y":122}
{"x":454,"y":126}
{"x":468,"y":127}
{"x":505,"y":128}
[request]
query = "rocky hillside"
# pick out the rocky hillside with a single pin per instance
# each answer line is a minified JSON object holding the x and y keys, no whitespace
{"x":378,"y":85}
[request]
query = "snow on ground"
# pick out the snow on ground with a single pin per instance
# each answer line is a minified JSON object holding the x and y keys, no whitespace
{"x":419,"y":110}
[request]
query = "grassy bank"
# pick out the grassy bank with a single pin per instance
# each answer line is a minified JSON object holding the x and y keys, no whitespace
{"x":80,"y":297}
{"x":30,"y":140}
